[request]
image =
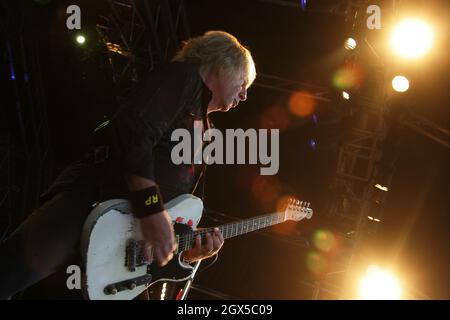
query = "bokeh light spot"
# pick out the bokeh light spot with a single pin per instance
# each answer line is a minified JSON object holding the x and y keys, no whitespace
{"x":275,"y":117}
{"x":302,"y":103}
{"x":324,"y":240}
{"x":349,"y":76}
{"x":316,"y":263}
{"x":265,"y":191}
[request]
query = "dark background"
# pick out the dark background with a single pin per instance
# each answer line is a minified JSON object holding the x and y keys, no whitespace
{"x":303,"y":46}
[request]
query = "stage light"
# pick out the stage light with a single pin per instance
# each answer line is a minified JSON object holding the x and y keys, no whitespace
{"x":163,"y":291}
{"x":350,"y":44}
{"x":303,"y":4}
{"x":412,"y":38}
{"x":345,"y":95}
{"x":313,"y":144}
{"x":382,"y":188}
{"x":400,"y":83}
{"x":81,"y":39}
{"x":379,"y":284}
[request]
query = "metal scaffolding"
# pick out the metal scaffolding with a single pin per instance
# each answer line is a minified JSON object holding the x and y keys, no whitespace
{"x":272,"y":82}
{"x":427,"y":128}
{"x":357,"y":206}
{"x":364,"y":172}
{"x":138,"y":35}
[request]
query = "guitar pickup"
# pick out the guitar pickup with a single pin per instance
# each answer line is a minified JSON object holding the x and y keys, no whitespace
{"x":131,"y":255}
{"x":134,"y":255}
{"x":129,"y":284}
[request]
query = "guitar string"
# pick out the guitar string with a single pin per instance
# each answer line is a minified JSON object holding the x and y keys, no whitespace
{"x":239,"y":228}
{"x":187,"y":240}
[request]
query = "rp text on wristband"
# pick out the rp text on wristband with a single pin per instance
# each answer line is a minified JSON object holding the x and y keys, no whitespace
{"x":146,"y":202}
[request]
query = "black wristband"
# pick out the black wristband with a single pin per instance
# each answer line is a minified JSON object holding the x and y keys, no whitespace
{"x":146,"y":202}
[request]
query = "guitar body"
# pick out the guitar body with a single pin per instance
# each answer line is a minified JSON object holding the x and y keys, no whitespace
{"x":111,"y":243}
{"x":117,"y":264}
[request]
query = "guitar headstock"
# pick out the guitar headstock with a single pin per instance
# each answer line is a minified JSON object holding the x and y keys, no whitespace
{"x":297,"y":210}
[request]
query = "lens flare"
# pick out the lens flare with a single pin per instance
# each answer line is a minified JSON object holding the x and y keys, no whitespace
{"x":275,"y":117}
{"x":265,"y":191}
{"x":316,"y":263}
{"x":349,"y":76}
{"x":282,"y":202}
{"x":284,"y":228}
{"x":324,"y":240}
{"x":302,"y":103}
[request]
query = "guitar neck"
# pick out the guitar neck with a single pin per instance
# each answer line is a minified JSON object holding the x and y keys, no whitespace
{"x":233,"y":229}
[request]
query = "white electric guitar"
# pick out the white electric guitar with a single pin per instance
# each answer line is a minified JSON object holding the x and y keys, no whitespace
{"x":114,"y":267}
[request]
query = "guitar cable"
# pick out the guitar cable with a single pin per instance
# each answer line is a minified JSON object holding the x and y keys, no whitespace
{"x":216,"y":256}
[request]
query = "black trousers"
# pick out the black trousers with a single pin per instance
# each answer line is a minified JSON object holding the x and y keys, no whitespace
{"x":46,"y":241}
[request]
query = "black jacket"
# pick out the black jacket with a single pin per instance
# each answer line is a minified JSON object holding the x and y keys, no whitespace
{"x":138,"y":136}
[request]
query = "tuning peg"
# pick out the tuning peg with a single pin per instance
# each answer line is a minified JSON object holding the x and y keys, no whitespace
{"x":308,"y":204}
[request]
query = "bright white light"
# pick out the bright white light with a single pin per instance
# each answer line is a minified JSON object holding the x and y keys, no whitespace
{"x":379,"y":186}
{"x":379,"y":284}
{"x":412,"y":38}
{"x":345,"y":95}
{"x":163,"y":291}
{"x":400,"y":84}
{"x":350,"y":44}
{"x":81,"y":39}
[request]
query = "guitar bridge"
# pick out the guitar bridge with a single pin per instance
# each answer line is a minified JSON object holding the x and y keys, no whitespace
{"x":134,"y":255}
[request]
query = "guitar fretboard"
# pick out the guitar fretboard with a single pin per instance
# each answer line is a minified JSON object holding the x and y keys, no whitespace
{"x":187,"y":240}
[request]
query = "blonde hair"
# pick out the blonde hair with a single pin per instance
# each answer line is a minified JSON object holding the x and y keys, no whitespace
{"x":218,"y":51}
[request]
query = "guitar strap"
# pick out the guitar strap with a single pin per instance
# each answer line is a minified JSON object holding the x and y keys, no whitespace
{"x":182,"y":295}
{"x":207,"y":124}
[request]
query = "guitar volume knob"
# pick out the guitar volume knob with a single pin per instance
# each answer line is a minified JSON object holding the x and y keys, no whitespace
{"x":112,"y":290}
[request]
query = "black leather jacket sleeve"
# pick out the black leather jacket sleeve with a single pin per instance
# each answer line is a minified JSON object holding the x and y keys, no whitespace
{"x":150,"y":113}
